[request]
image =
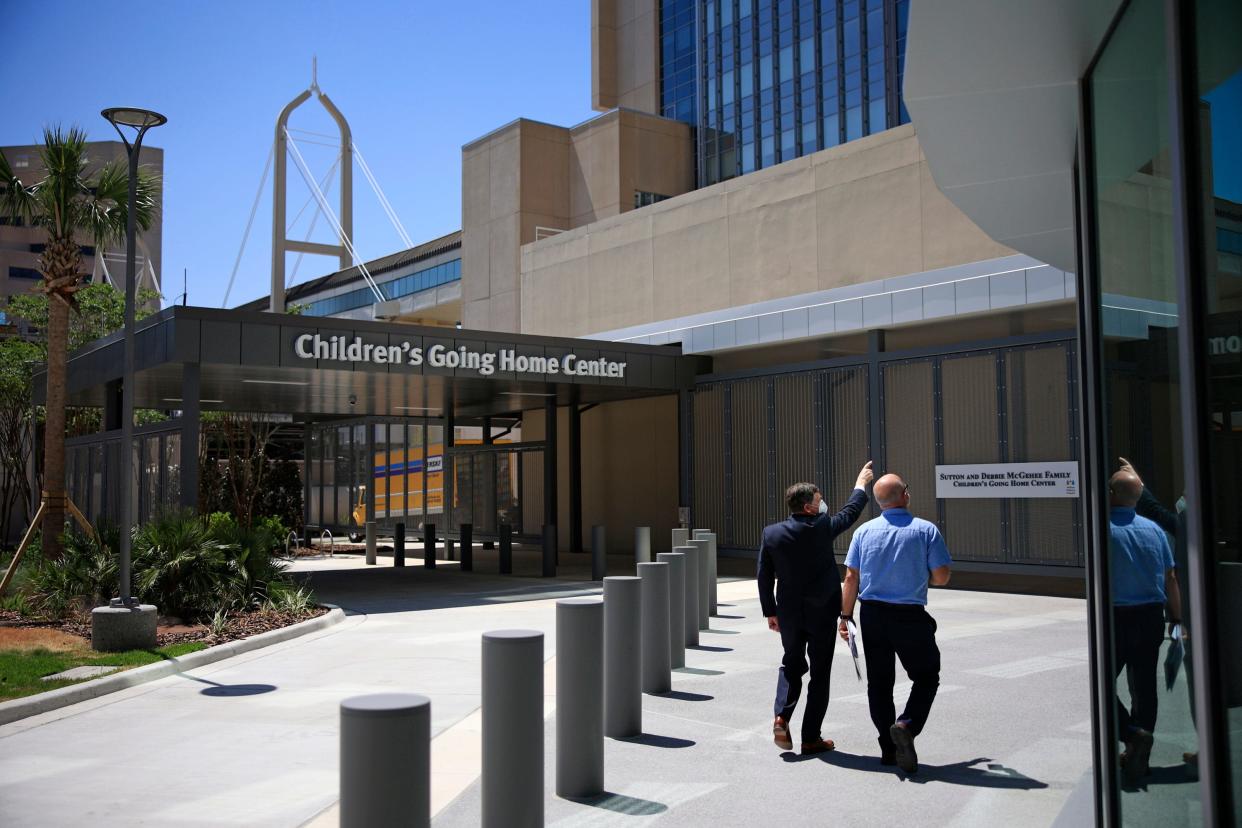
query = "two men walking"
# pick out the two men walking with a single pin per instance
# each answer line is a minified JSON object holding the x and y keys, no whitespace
{"x":890,"y":562}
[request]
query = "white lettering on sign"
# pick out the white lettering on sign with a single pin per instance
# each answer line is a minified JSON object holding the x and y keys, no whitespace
{"x":1054,"y":479}
{"x":485,"y":363}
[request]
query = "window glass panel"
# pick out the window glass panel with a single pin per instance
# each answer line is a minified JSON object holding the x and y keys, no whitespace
{"x":1220,"y":121}
{"x":1142,"y":390}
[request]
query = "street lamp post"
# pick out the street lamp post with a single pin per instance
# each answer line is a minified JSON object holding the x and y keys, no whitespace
{"x":121,"y":628}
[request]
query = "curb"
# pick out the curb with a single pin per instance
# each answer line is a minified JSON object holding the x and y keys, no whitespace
{"x":16,"y":709}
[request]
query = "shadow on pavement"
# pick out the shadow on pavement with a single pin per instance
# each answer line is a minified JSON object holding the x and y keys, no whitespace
{"x":682,"y":695}
{"x":1178,"y":774}
{"x":995,"y":775}
{"x":219,"y":690}
{"x":698,"y":671}
{"x":709,"y":649}
{"x":388,"y":589}
{"x":722,"y":632}
{"x":622,"y":804}
{"x":653,"y":740}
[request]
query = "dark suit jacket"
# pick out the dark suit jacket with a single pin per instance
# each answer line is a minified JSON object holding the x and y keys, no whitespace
{"x":796,"y":558}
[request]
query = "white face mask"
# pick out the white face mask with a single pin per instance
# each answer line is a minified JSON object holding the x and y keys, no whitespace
{"x":823,"y":507}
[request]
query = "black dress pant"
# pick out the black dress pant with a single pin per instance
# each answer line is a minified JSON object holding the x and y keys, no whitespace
{"x":1138,"y":633}
{"x":811,"y":637}
{"x":907,"y":632}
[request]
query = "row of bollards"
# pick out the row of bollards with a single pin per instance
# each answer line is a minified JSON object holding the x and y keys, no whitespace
{"x":609,"y":653}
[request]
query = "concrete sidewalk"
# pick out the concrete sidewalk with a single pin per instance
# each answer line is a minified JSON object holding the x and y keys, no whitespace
{"x":253,"y":740}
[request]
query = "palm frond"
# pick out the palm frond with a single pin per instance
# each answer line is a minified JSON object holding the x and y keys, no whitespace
{"x":15,"y":197}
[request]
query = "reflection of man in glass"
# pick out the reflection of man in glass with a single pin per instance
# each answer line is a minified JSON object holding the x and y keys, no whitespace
{"x":1143,"y":582}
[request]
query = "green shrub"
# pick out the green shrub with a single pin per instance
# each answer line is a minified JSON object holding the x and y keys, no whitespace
{"x":180,"y":567}
{"x":84,"y":576}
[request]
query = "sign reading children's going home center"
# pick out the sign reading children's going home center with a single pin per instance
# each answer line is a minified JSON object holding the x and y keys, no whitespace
{"x":486,"y":363}
{"x":1056,"y":479}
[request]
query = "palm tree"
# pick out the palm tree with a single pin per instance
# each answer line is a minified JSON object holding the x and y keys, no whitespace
{"x":70,"y":206}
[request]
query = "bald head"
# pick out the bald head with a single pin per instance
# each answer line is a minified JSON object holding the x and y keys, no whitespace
{"x":1124,"y":489}
{"x":890,"y":492}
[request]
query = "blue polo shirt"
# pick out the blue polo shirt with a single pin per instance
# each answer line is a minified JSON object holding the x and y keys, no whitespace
{"x":893,"y":555}
{"x":1139,"y":556}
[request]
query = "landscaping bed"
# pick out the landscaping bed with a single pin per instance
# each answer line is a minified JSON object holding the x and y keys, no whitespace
{"x":32,"y":648}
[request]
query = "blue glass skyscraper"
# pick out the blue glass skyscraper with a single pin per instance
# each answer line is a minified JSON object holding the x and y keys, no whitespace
{"x":765,"y":81}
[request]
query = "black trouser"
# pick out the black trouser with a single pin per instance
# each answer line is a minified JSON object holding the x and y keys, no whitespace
{"x":909,"y":633}
{"x":1138,"y":633}
{"x":815,"y":637}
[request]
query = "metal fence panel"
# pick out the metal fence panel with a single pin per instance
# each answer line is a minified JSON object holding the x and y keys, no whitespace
{"x":794,"y":426}
{"x":709,"y":459}
{"x":748,"y":445}
{"x":974,"y":528}
{"x":1040,"y":424}
{"x":847,"y":437}
{"x":909,"y":411}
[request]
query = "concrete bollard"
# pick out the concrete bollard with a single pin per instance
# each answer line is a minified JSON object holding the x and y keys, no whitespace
{"x":506,"y":549}
{"x":708,"y":535}
{"x":681,"y":537}
{"x":386,"y":760}
{"x":704,"y":547}
{"x":398,"y":545}
{"x":579,"y":697}
{"x":512,"y":729}
{"x":429,"y":545}
{"x":370,"y":530}
{"x":599,"y":552}
{"x":676,"y":607}
{"x":642,"y":544}
{"x":657,"y":666}
{"x":549,"y":550}
{"x":467,"y":547}
{"x":623,"y":666}
{"x":691,"y":607}
{"x":449,"y":553}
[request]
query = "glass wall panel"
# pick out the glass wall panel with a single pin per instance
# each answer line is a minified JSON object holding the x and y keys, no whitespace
{"x":172,"y":470}
{"x":1219,"y":33}
{"x":435,"y":472}
{"x":341,"y":489}
{"x":1154,"y":761}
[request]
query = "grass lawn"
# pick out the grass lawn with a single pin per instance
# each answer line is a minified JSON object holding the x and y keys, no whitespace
{"x":24,"y":663}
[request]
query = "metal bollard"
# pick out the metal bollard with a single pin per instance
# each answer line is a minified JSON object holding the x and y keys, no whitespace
{"x":642,"y":544}
{"x":398,"y":545}
{"x":385,"y":773}
{"x":691,"y":608}
{"x":599,"y":552}
{"x":512,"y":737}
{"x":704,"y":547}
{"x":549,"y":550}
{"x":710,"y":536}
{"x":579,"y":697}
{"x":467,"y":547}
{"x":623,"y":666}
{"x":370,"y":530}
{"x":657,"y":666}
{"x":676,"y":607}
{"x":681,"y":537}
{"x":506,"y":549}
{"x":429,"y":545}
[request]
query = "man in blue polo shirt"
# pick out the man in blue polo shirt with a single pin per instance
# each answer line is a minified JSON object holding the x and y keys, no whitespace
{"x":891,"y":560}
{"x":1144,"y":582}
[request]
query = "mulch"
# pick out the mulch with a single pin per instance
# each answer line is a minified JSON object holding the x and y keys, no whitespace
{"x":171,"y":630}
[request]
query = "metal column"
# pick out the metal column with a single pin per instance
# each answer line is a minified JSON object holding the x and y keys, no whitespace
{"x":191,"y":410}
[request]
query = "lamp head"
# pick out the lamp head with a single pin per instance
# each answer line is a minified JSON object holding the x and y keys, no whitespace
{"x":139,"y":119}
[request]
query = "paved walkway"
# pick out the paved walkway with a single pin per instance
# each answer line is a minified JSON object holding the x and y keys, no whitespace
{"x":253,"y":740}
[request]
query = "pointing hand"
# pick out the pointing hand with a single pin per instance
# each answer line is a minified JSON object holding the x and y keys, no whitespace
{"x":865,"y":476}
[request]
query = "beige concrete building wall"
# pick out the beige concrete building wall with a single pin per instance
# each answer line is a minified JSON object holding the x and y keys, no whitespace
{"x":629,"y":463}
{"x":856,"y":213}
{"x":530,"y":178}
{"x":625,"y":55}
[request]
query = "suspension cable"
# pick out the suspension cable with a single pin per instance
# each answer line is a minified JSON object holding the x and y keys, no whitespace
{"x":249,"y":223}
{"x":383,"y":199}
{"x":327,"y":211}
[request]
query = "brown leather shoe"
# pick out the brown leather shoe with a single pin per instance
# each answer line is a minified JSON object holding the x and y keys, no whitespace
{"x":822,"y":746}
{"x":780,"y":734}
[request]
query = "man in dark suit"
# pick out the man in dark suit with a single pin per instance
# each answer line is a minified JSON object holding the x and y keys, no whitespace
{"x":796,"y":558}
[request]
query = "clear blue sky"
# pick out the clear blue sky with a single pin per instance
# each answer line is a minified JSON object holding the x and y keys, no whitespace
{"x":415,"y":79}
